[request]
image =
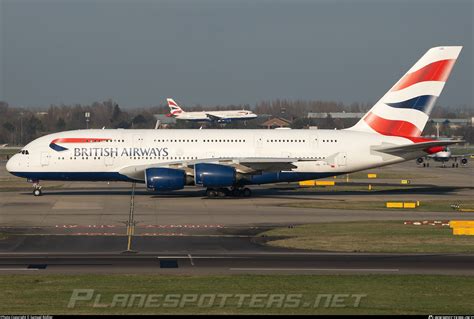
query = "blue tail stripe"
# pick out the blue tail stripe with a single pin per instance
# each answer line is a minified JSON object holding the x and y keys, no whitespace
{"x":422,"y":103}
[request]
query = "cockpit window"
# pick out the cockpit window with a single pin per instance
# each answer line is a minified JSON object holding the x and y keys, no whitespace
{"x":24,"y":152}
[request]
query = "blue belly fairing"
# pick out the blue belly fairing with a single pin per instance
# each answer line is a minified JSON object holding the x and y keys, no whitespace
{"x":264,"y":178}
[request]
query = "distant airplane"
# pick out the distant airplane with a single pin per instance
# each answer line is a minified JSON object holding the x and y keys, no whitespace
{"x":226,"y":161}
{"x":208,"y":116}
{"x":444,"y":156}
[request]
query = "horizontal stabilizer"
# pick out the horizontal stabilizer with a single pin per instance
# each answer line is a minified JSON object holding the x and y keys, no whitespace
{"x":429,"y":147}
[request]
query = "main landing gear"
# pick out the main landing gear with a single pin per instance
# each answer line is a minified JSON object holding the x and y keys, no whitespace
{"x":225,"y":192}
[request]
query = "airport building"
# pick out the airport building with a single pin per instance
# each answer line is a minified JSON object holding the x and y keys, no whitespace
{"x":335,"y":115}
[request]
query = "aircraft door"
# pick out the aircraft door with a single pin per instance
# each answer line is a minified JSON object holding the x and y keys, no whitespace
{"x":108,"y":160}
{"x":45,"y":158}
{"x":137,"y":140}
{"x":314,"y":140}
{"x":341,"y":159}
{"x":258,"y":145}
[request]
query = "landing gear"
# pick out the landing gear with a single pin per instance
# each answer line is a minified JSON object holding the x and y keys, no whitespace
{"x":37,"y":189}
{"x":224,"y":192}
{"x":247,"y":192}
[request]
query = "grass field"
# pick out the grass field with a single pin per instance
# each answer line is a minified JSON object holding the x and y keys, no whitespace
{"x":385,"y":294}
{"x":374,"y":236}
{"x":425,"y":206}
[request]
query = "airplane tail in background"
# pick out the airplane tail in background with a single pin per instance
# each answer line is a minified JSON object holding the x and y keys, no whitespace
{"x":174,"y":107}
{"x":406,"y":107}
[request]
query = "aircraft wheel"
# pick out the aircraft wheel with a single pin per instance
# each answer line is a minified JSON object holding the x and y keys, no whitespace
{"x":211,"y":193}
{"x":236,"y":192}
{"x":424,"y":164}
{"x":222,"y":193}
{"x":247,"y":192}
{"x":37,"y":192}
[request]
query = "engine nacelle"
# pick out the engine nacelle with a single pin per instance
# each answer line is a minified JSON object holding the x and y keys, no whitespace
{"x":214,"y":175}
{"x":420,"y":160}
{"x":164,"y":179}
{"x":464,"y":161}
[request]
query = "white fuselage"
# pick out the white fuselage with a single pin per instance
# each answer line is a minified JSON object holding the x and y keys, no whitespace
{"x":442,"y":156}
{"x":83,"y":155}
{"x":216,"y":115}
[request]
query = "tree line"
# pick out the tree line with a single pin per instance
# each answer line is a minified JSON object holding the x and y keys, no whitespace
{"x":19,"y":126}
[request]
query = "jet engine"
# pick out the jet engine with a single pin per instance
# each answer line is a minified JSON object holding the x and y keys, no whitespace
{"x":164,"y":179}
{"x":214,"y":175}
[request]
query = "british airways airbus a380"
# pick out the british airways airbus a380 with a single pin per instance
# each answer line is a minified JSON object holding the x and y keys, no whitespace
{"x":225,"y":161}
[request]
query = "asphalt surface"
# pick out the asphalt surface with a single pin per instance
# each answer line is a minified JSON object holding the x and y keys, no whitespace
{"x":79,"y":204}
{"x":256,"y":263}
{"x":80,"y":227}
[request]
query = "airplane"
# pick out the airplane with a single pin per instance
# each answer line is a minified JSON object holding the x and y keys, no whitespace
{"x":225,"y":162}
{"x":444,"y":156}
{"x":208,"y":116}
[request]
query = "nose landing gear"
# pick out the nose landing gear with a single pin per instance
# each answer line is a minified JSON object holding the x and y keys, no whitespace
{"x":37,"y":188}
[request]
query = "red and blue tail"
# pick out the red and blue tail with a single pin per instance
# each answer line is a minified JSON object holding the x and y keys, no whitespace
{"x":406,"y":107}
{"x":175,"y":109}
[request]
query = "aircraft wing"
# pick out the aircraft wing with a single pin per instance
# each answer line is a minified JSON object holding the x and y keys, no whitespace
{"x":213,"y":117}
{"x":244,"y":165}
{"x":416,"y":148}
{"x":461,"y":155}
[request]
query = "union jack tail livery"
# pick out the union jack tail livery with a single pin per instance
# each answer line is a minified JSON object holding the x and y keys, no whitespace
{"x":174,"y":107}
{"x":406,"y":107}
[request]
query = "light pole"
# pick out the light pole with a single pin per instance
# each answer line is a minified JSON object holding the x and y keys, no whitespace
{"x":87,"y":116}
{"x":21,"y":128}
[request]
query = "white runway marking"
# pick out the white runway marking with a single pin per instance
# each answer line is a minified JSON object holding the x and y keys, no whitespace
{"x":16,"y":269}
{"x":312,"y":269}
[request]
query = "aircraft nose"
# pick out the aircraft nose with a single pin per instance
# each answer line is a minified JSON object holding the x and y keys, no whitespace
{"x":12,"y":162}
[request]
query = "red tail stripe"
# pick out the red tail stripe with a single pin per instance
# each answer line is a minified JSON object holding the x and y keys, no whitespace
{"x":79,"y":140}
{"x":436,"y":71}
{"x":172,"y":103}
{"x":391,"y":127}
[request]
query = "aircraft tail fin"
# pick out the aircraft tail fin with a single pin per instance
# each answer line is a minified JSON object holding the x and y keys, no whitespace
{"x":406,"y":107}
{"x":175,"y":109}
